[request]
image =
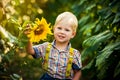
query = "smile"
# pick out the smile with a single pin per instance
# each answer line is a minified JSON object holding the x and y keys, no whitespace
{"x":61,"y":37}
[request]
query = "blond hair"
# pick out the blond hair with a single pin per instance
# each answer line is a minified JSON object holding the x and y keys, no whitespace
{"x":69,"y":18}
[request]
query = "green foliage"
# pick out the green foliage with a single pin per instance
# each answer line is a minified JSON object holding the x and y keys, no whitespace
{"x":12,"y":26}
{"x":105,"y":53}
{"x":97,"y":39}
{"x":104,"y":56}
{"x":103,"y":43}
{"x":93,"y":43}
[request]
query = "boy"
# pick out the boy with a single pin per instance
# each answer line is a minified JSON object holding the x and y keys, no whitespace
{"x":60,"y":55}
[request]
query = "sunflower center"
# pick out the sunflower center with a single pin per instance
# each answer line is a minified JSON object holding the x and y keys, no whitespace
{"x":39,"y":30}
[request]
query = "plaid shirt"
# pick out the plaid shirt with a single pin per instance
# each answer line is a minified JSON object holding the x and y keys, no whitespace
{"x":57,"y":59}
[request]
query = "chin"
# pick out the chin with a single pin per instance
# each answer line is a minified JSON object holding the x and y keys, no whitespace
{"x":61,"y":41}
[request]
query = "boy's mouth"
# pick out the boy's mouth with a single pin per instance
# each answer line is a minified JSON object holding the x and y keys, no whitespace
{"x":61,"y":37}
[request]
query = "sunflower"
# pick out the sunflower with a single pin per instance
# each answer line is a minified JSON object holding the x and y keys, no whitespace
{"x":40,"y":30}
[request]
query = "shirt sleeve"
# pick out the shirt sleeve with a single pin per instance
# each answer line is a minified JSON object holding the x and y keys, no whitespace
{"x":77,"y":65}
{"x":40,"y":50}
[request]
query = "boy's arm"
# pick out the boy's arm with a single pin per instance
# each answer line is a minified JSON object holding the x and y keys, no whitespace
{"x":29,"y":48}
{"x":77,"y":75}
{"x":76,"y":66}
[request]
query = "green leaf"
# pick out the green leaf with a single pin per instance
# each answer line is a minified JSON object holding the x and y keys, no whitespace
{"x":79,"y":7}
{"x":109,"y":20}
{"x":98,"y":28}
{"x":15,"y":77}
{"x":13,"y":27}
{"x":25,"y":23}
{"x":115,"y":5}
{"x":88,"y":66}
{"x":84,"y":20}
{"x":117,"y":18}
{"x":105,"y":53}
{"x":90,"y":7}
{"x":105,"y":13}
{"x":97,"y":39}
{"x":93,"y":43}
{"x":117,"y":70}
{"x":89,"y":53}
{"x":22,"y":40}
{"x":87,"y":29}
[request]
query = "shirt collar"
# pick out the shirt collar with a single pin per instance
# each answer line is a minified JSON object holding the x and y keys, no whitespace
{"x":67,"y":48}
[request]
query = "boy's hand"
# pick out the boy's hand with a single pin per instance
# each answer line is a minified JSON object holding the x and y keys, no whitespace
{"x":27,"y":30}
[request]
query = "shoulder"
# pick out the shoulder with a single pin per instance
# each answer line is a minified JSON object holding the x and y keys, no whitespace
{"x":76,"y":52}
{"x":77,"y":58}
{"x":46,"y":43}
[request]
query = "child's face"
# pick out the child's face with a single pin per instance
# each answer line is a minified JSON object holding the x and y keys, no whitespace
{"x":63,"y":32}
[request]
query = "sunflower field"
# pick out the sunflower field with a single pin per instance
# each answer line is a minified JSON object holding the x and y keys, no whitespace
{"x":98,"y":36}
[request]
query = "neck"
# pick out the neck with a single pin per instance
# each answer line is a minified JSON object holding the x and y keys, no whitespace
{"x":61,"y":46}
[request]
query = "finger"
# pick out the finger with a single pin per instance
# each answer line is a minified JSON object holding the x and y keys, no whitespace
{"x":27,"y":32}
{"x":27,"y":29}
{"x":28,"y":26}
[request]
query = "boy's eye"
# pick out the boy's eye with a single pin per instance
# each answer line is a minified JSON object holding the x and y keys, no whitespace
{"x":67,"y":30}
{"x":58,"y":27}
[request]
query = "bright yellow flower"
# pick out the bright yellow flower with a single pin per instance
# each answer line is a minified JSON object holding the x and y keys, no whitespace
{"x":40,"y":30}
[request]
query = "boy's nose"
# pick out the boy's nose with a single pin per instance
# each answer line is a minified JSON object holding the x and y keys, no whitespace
{"x":62,"y":31}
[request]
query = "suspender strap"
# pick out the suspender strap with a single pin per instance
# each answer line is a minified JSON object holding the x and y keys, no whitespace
{"x":69,"y":64}
{"x":46,"y":58}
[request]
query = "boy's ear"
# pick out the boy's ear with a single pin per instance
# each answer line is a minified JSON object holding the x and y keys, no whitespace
{"x":73,"y":34}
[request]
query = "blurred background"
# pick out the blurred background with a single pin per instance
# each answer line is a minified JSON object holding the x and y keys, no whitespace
{"x":98,"y":36}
